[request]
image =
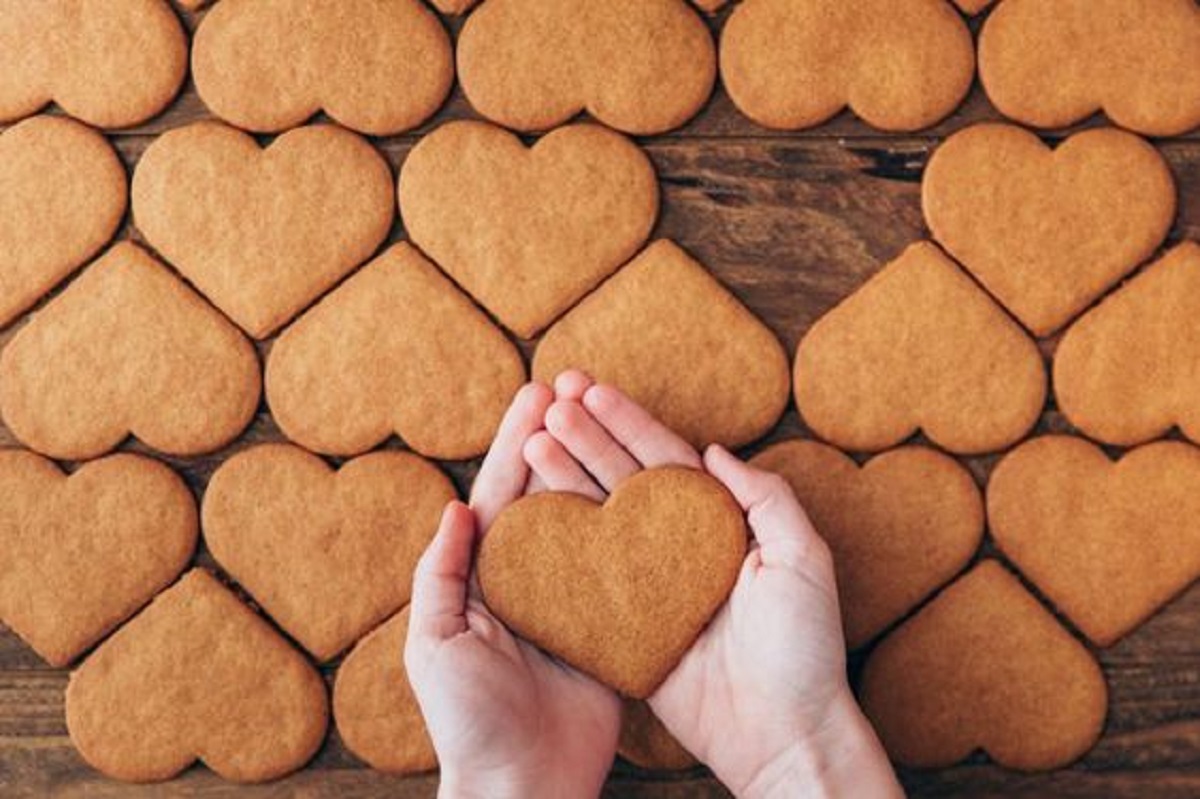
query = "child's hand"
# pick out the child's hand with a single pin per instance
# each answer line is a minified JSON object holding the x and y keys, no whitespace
{"x":506,"y":720}
{"x":762,"y":696}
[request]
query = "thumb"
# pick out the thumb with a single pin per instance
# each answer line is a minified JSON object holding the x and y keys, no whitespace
{"x":439,"y":595}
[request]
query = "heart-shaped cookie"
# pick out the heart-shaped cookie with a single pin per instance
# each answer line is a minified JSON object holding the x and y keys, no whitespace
{"x":127,"y":348}
{"x":396,"y":349}
{"x":899,"y":527}
{"x":984,"y":666}
{"x":196,"y":676}
{"x":646,"y":743}
{"x":62,"y":196}
{"x":640,"y":66}
{"x":111,"y":63}
{"x":268,"y":65}
{"x":1108,"y":543}
{"x":919,"y":347}
{"x":518,"y":228}
{"x":1051,"y":63}
{"x":622,"y":590}
{"x":263,"y":233}
{"x":1125,"y":373}
{"x":81,"y":553}
{"x":898,"y":64}
{"x":670,"y":336}
{"x":1048,"y":231}
{"x":376,"y":713}
{"x":326,"y":554}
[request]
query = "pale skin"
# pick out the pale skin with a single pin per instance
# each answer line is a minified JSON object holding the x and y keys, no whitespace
{"x":761,"y":697}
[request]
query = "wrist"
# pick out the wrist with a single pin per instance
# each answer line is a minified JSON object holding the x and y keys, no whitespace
{"x":453,"y":785}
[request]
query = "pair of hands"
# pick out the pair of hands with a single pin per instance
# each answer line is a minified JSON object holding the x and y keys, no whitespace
{"x":761,"y":697}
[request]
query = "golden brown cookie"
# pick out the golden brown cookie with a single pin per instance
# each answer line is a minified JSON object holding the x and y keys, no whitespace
{"x":900,"y":526}
{"x":126,"y":349}
{"x":1051,"y":63}
{"x":64,"y":197}
{"x":670,"y":336}
{"x":1125,"y":373}
{"x":376,"y":713}
{"x":376,"y":67}
{"x":898,"y":64}
{"x":111,"y":63}
{"x":396,"y":349}
{"x":919,"y":347}
{"x":263,"y":233}
{"x":1108,"y":543}
{"x":453,"y":7}
{"x":196,"y":676}
{"x":326,"y":554}
{"x":646,"y":743}
{"x":81,"y":553}
{"x":619,"y":590}
{"x":984,"y":666}
{"x":520,"y":228}
{"x":640,"y":66}
{"x":1048,"y":231}
{"x":973,"y":7}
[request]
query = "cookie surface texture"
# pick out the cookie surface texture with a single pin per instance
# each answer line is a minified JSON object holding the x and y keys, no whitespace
{"x":379,"y":68}
{"x":984,"y":666}
{"x":640,"y":66}
{"x":528,"y":231}
{"x":395,"y":349}
{"x":126,"y":349}
{"x":263,"y":233}
{"x":622,"y":590}
{"x":900,"y":526}
{"x":900,"y":65}
{"x":669,"y":335}
{"x":196,"y":676}
{"x":82,"y":552}
{"x":919,"y":347}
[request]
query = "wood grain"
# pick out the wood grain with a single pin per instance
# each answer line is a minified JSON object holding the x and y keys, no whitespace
{"x":791,"y":223}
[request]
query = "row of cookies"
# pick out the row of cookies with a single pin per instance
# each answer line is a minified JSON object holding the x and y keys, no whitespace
{"x":640,"y":66}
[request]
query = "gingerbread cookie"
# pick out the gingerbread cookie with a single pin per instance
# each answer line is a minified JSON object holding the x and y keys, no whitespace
{"x":984,"y":666}
{"x":898,"y":64}
{"x":326,"y":554}
{"x":262,"y":233}
{"x":919,"y":347}
{"x":268,"y":65}
{"x":376,"y":713}
{"x":620,"y":591}
{"x":1108,"y":543}
{"x":1048,"y":231}
{"x":396,"y":349}
{"x":196,"y":676}
{"x":662,"y":311}
{"x":126,"y":349}
{"x":640,"y":66}
{"x":82,"y":553}
{"x":1125,"y":373}
{"x":646,"y":743}
{"x":63,"y":198}
{"x":111,"y":63}
{"x":1051,"y":63}
{"x":899,"y":527}
{"x":532,"y":214}
{"x":973,"y":7}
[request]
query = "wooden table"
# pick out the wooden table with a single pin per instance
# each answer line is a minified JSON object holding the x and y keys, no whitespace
{"x":792,"y":223}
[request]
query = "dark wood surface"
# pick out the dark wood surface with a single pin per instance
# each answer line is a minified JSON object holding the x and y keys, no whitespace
{"x":791,"y":223}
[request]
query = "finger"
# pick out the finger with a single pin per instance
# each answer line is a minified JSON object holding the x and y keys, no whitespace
{"x":536,"y":484}
{"x":590,"y":444}
{"x":439,"y":595}
{"x":782,"y":529}
{"x":555,"y":467}
{"x":645,"y":438}
{"x":503,"y":475}
{"x":571,"y":385}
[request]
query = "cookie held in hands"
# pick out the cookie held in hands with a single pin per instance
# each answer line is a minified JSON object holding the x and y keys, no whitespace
{"x":620,"y":590}
{"x":196,"y":676}
{"x":984,"y":666}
